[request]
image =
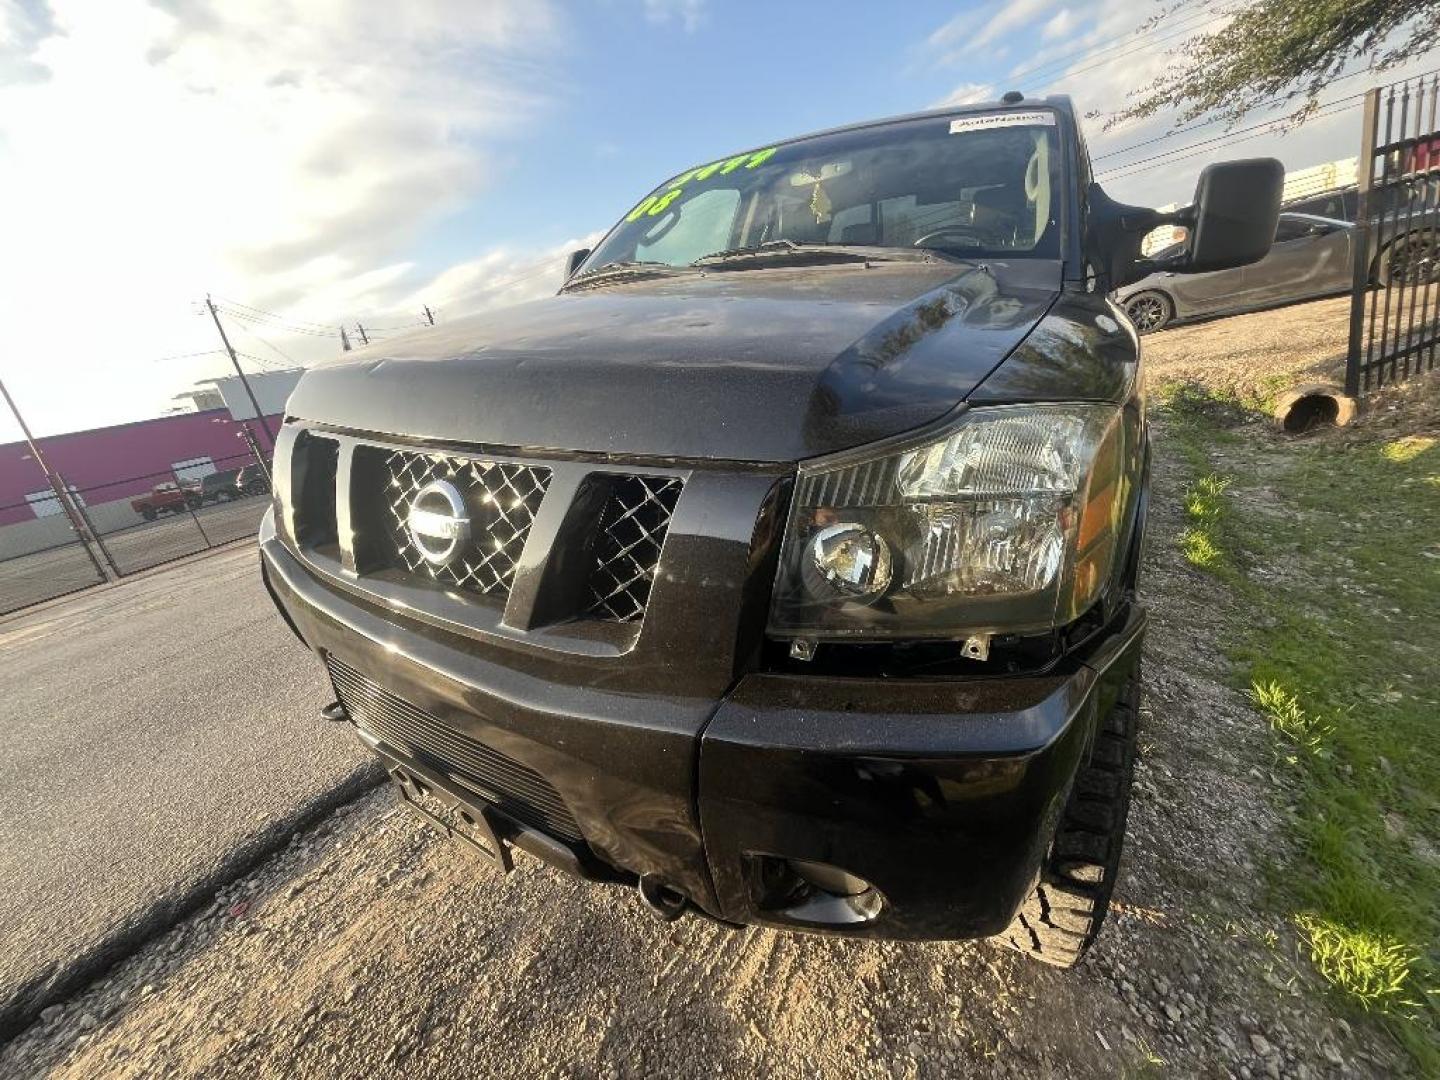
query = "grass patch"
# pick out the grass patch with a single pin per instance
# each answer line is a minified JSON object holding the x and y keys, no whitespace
{"x":1376,"y":972}
{"x":1205,"y":509}
{"x":1289,"y":719}
{"x":1335,"y":559}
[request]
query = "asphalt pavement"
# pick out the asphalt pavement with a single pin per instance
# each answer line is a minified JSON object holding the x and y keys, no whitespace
{"x":157,"y":737}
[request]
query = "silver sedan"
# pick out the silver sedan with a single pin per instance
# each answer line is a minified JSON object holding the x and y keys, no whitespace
{"x":1312,"y":257}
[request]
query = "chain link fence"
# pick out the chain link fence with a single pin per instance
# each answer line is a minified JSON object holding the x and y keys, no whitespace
{"x":109,"y":530}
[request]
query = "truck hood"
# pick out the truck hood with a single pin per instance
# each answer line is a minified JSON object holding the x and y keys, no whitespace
{"x":758,"y":365}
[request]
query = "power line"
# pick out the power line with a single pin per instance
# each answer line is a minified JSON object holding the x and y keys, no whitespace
{"x":264,"y":361}
{"x":1139,"y":46}
{"x":291,"y":328}
{"x":1278,"y":99}
{"x":188,"y":355}
{"x":272,"y":314}
{"x":273,"y":348}
{"x":1049,"y":68}
{"x":1229,"y":136}
{"x":1197,"y":149}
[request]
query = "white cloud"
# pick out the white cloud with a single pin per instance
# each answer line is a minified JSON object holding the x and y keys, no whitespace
{"x":1062,"y":23}
{"x":965,"y":94}
{"x":495,"y":279}
{"x":957,"y":40}
{"x":688,"y":13}
{"x":287,"y":153}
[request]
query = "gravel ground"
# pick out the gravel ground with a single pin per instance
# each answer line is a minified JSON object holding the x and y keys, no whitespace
{"x":155,"y":737}
{"x":368,"y":947}
{"x":1303,"y":343}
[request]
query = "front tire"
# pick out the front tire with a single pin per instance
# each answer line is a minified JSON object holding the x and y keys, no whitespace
{"x":1061,"y":918}
{"x":1150,"y":311}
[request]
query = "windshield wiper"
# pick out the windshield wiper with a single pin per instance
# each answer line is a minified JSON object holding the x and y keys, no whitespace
{"x":621,"y":268}
{"x":774,"y":252}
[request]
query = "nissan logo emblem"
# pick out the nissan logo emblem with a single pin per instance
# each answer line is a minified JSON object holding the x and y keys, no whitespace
{"x":438,"y":522}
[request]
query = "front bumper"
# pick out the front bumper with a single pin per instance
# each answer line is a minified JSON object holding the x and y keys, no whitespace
{"x":941,"y":794}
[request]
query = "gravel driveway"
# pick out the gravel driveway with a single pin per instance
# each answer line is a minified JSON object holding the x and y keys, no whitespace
{"x":368,"y":947}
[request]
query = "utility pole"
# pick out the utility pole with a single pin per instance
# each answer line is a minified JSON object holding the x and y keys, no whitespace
{"x":429,"y":315}
{"x":361,"y":331}
{"x":344,"y":340}
{"x":240,"y":371}
{"x":249,"y":437}
{"x":62,"y":497}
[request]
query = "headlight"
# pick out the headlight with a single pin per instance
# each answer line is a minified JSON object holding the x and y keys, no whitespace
{"x":1005,"y":524}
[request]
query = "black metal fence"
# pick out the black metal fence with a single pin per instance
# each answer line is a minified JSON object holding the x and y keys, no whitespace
{"x":122,"y":526}
{"x":1395,"y":298}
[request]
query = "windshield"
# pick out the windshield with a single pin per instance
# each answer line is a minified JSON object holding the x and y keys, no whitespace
{"x":979,"y":185}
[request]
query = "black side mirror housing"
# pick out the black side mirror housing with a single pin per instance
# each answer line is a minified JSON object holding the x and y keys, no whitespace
{"x":573,"y":261}
{"x":1231,"y":223}
{"x":1237,"y":206}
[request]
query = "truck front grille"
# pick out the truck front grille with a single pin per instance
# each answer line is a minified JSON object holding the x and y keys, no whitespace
{"x":608,"y":541}
{"x":503,"y":499}
{"x":515,"y":789}
{"x":315,"y":464}
{"x":632,"y":532}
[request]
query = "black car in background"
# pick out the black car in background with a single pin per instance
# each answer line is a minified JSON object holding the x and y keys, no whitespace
{"x":251,"y":480}
{"x":783,"y":564}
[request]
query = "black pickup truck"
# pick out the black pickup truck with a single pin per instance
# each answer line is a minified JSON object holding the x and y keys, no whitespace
{"x":783,"y":564}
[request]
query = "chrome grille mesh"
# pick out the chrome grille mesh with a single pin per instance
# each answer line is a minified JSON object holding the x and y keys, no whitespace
{"x":631,"y":534}
{"x":503,"y":499}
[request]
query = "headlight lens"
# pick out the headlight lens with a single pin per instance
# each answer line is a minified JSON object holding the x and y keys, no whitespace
{"x":1006,"y":524}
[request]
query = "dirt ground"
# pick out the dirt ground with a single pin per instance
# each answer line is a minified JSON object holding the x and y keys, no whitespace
{"x":368,"y":947}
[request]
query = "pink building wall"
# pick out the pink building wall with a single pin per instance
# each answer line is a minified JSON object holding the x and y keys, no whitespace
{"x":93,"y":461}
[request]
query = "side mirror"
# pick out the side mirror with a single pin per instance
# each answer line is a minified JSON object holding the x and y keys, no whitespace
{"x":573,"y":261}
{"x":1232,"y":223}
{"x":1237,"y":206}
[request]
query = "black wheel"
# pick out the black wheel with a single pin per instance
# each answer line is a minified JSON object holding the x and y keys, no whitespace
{"x":1150,"y":311}
{"x":149,"y":513}
{"x":1410,"y":260}
{"x":195,"y":502}
{"x":1062,"y":916}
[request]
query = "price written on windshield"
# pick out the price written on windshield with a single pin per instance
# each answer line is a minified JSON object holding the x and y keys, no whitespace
{"x":656,"y":204}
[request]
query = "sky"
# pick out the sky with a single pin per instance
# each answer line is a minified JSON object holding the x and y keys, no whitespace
{"x":336,"y":161}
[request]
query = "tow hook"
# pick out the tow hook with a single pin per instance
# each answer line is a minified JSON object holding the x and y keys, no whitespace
{"x":335,"y":712}
{"x":668,"y":904}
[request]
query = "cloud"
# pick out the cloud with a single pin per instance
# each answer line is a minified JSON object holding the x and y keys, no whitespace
{"x":688,"y":13}
{"x":22,"y":27}
{"x":957,"y":40}
{"x":286,"y":153}
{"x":965,"y":94}
{"x":1062,"y":23}
{"x":495,"y":279}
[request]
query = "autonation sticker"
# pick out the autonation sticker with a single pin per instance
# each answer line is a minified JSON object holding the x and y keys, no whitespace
{"x":985,"y":121}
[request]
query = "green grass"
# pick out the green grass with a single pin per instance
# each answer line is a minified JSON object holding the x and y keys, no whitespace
{"x":1205,"y":510}
{"x":1341,"y":654}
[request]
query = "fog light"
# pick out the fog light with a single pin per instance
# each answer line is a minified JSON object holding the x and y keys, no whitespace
{"x":848,"y":560}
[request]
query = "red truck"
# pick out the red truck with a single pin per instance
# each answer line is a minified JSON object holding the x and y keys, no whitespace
{"x":168,"y":498}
